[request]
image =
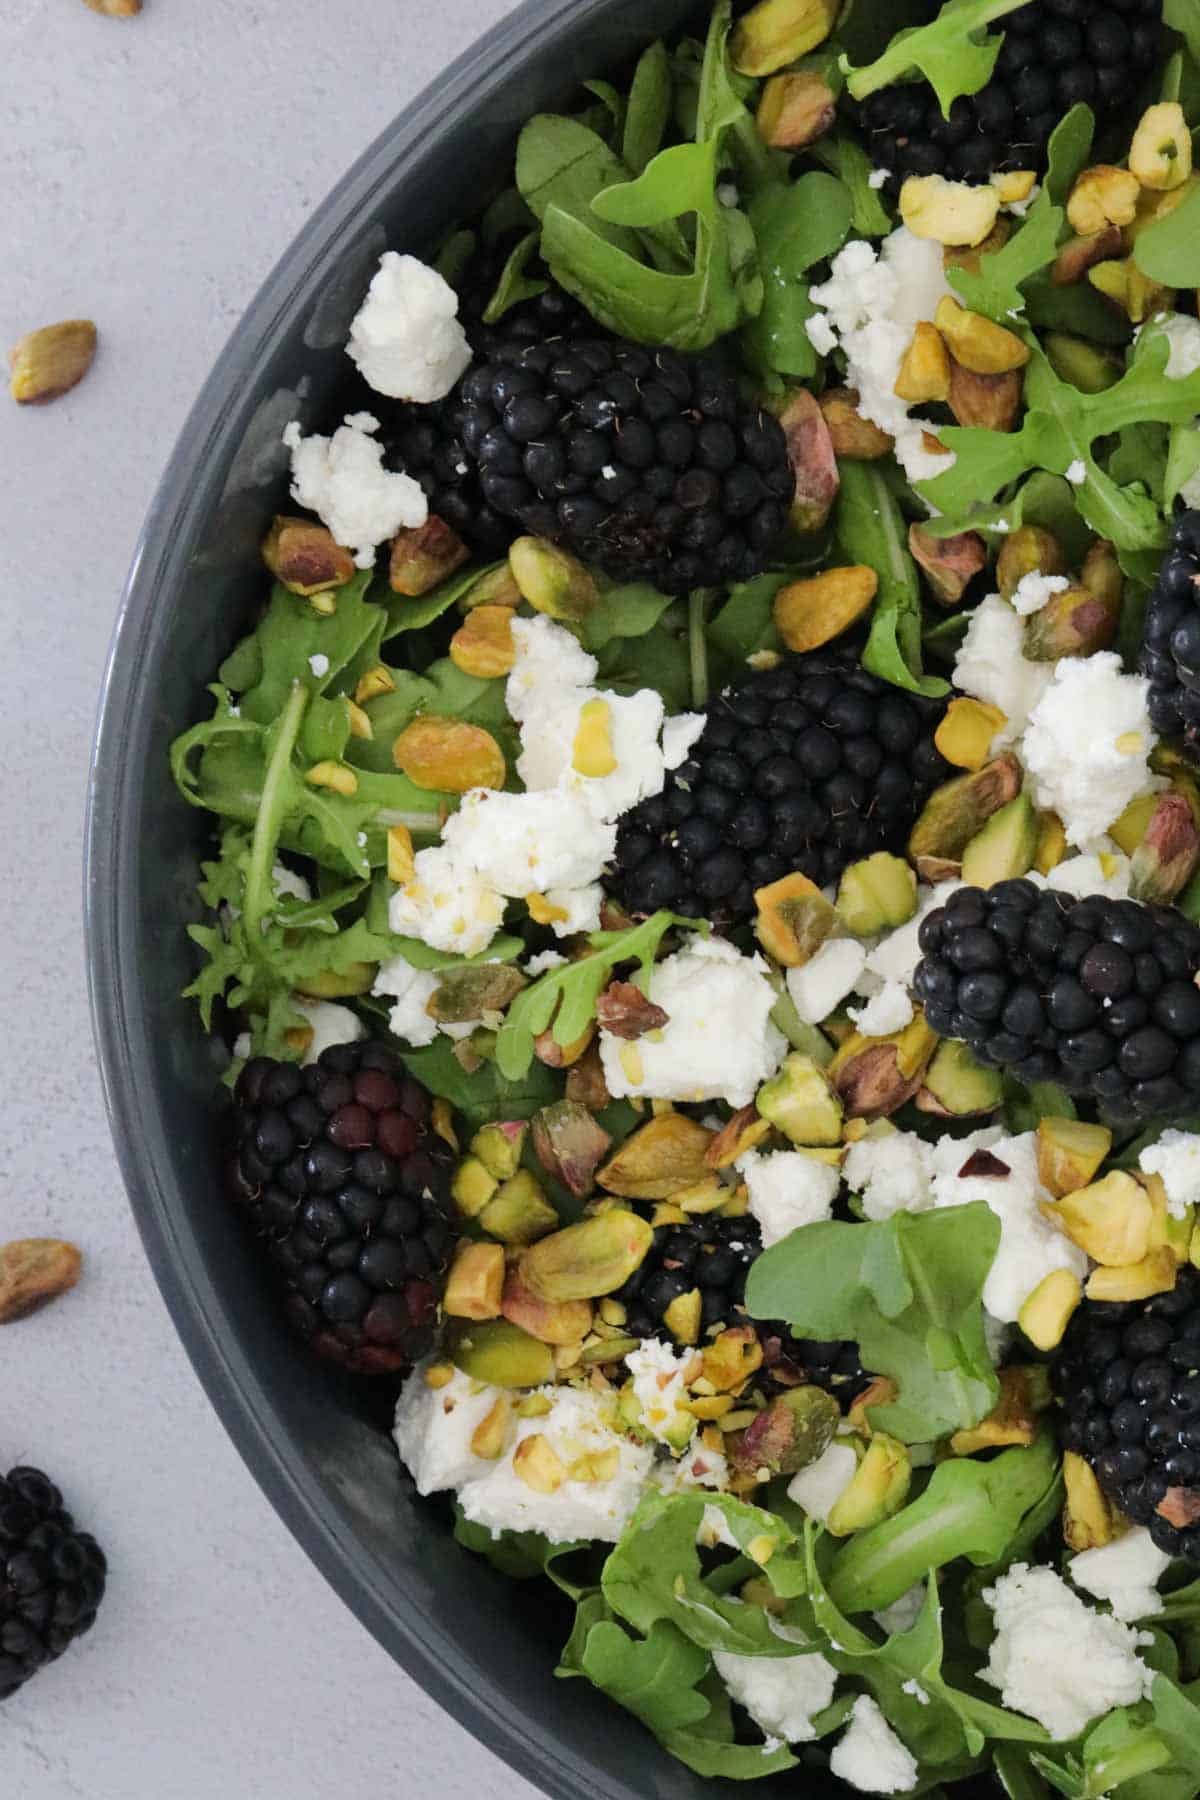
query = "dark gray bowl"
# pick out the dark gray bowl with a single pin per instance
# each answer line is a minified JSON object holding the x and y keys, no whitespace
{"x":483,"y":1648}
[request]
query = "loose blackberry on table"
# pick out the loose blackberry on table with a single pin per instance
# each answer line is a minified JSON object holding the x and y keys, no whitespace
{"x":1171,"y":641}
{"x":52,"y":1577}
{"x":1097,"y":995}
{"x":645,"y":462}
{"x":808,"y":766}
{"x":340,"y":1172}
{"x":1128,"y":1381}
{"x":1056,"y":53}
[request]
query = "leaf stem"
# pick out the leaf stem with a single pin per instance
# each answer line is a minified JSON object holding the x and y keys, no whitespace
{"x":698,"y":603}
{"x":270,"y":813}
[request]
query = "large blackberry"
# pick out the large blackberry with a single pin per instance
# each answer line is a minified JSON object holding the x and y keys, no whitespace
{"x":1055,"y":54}
{"x":51,"y":1577}
{"x":714,"y":1255}
{"x":340,"y":1172}
{"x":806,"y":766}
{"x":1171,"y":647}
{"x":1096,"y":995}
{"x":646,"y":462}
{"x":1128,"y":1379}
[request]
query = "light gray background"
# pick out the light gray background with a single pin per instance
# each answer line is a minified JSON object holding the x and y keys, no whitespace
{"x":151,"y":171}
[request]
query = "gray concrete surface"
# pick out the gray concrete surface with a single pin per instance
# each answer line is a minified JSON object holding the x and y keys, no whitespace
{"x":151,"y":171}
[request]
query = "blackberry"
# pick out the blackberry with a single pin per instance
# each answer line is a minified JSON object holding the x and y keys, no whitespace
{"x":645,"y":462}
{"x":1055,"y":54}
{"x":340,"y":1173}
{"x":1095,"y":994}
{"x":714,"y":1255}
{"x":425,"y":442}
{"x":807,"y":766}
{"x":1171,"y":645}
{"x":1127,"y":1377}
{"x":51,"y":1577}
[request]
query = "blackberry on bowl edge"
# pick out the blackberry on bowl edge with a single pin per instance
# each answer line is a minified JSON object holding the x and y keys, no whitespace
{"x":51,"y":1577}
{"x":340,"y":1172}
{"x":1171,"y":637}
{"x":805,"y":767}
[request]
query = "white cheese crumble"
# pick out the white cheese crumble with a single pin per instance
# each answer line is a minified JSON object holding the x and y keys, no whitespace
{"x":1076,"y":472}
{"x":890,"y":1173}
{"x":903,"y":1613}
{"x":679,"y":733}
{"x":1126,"y":1573}
{"x":823,"y":982}
{"x":406,"y":338}
{"x":871,"y":306}
{"x":1030,"y":1247}
{"x":1183,"y":334}
{"x":546,"y":659}
{"x":695,"y":1056}
{"x":1087,"y":744}
{"x":521,"y":844}
{"x":817,"y":1489}
{"x":869,"y":1755}
{"x":991,"y":665}
{"x":634,"y":722}
{"x":787,"y":1189}
{"x":891,"y":1009}
{"x":1055,"y":1658}
{"x":331,"y":1024}
{"x":1035,"y":590}
{"x":434,"y":1427}
{"x":782,"y":1694}
{"x":1176,"y":1158}
{"x":658,"y":1385}
{"x":446,"y":904}
{"x":878,"y":178}
{"x":411,"y":991}
{"x":319,"y":664}
{"x":342,"y":479}
{"x":545,"y":959}
{"x":576,"y":1426}
{"x":896,"y":955}
{"x":287,"y":881}
{"x":1104,"y":872}
{"x":917,"y":1691}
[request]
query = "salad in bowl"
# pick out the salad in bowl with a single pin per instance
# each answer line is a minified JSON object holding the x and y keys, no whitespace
{"x":705,"y":879}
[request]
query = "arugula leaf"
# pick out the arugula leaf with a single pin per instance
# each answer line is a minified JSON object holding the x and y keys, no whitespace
{"x":264,"y":667}
{"x":487,"y":1093}
{"x":562,"y":166}
{"x":795,"y":227}
{"x":969,"y":1508}
{"x":996,"y":290}
{"x":521,"y":1555}
{"x":413,"y":613}
{"x":656,"y":1677}
{"x":870,"y":530}
{"x":1043,"y":499}
{"x":1150,"y":1751}
{"x":947,"y":53}
{"x":649,"y":107}
{"x":1184,"y":16}
{"x":514,"y":284}
{"x":1169,"y":249}
{"x":565,"y":999}
{"x":629,"y":610}
{"x":908,"y":1291}
{"x":1068,"y":151}
{"x":746,"y":622}
{"x":845,"y":157}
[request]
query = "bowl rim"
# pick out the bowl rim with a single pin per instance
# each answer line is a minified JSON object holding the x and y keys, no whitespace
{"x":211,"y":430}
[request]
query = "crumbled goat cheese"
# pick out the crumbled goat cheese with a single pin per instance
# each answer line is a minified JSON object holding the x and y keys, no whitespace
{"x":1030,"y":1247}
{"x":658,"y":1385}
{"x":434,"y":1427}
{"x":714,"y":1529}
{"x":787,"y":1189}
{"x":331,"y":1024}
{"x":546,"y":660}
{"x":869,"y":1755}
{"x":782,"y":1694}
{"x":697,"y":1467}
{"x":545,"y":959}
{"x":817,"y":1489}
{"x":575,"y":909}
{"x":727,"y":193}
{"x":242,"y":1045}
{"x":1106,"y":872}
{"x":1087,"y":744}
{"x":286,"y":881}
{"x":342,"y":479}
{"x":694,"y":1056}
{"x":991,"y":665}
{"x":634,"y":723}
{"x":446,"y":904}
{"x":523,"y":844}
{"x":406,"y":338}
{"x":679,"y":733}
{"x":890,"y":1173}
{"x":1077,"y":472}
{"x":823,"y":982}
{"x":916,"y":1690}
{"x":891,"y":1009}
{"x":1055,"y":1658}
{"x":411,"y":989}
{"x":1126,"y":1573}
{"x":1183,"y":335}
{"x":903,"y":1613}
{"x":871,"y":305}
{"x":1035,"y":590}
{"x":576,"y":1426}
{"x":896,"y":955}
{"x":1176,"y":1157}
{"x":878,"y":178}
{"x":1019,"y":208}
{"x":319,"y":664}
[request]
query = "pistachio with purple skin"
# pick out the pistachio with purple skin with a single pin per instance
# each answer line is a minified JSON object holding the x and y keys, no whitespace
{"x":1166,"y":859}
{"x":788,"y":1435}
{"x":570,"y":1144}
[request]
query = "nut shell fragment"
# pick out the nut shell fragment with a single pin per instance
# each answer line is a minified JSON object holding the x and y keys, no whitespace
{"x":34,"y":1271}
